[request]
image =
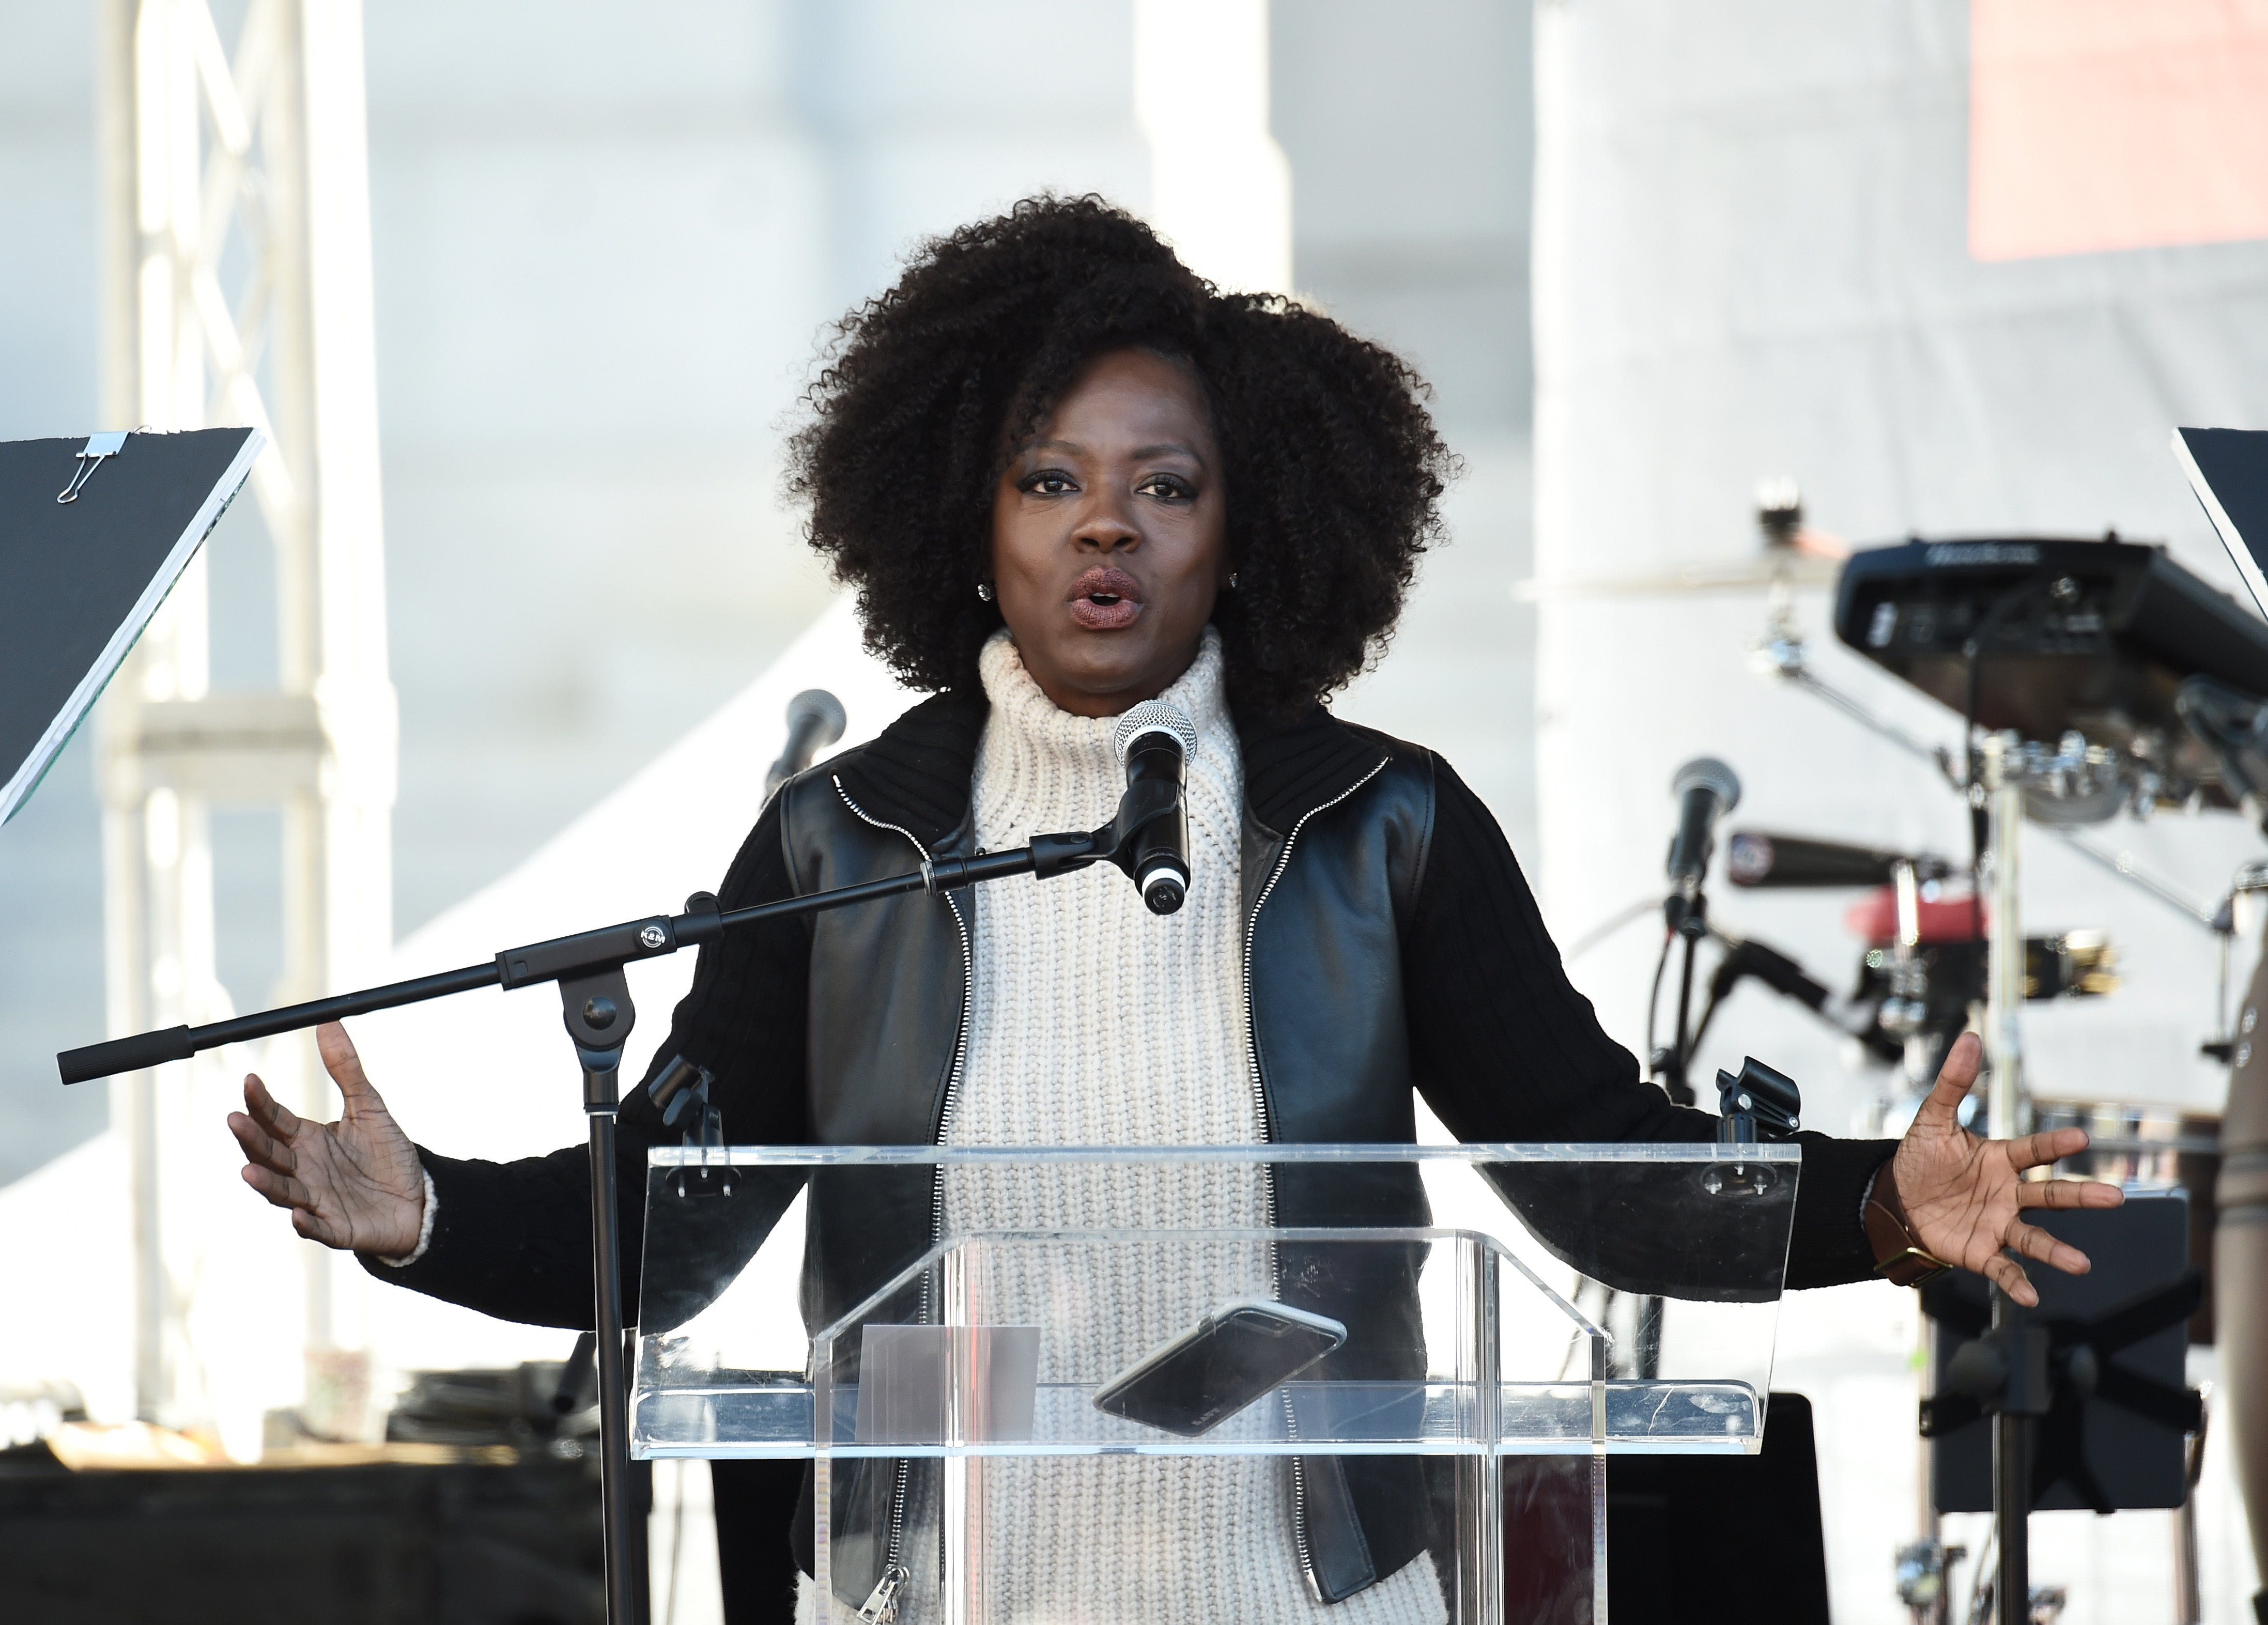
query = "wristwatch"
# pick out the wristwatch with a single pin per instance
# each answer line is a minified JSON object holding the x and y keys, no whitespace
{"x":1903,"y":1260}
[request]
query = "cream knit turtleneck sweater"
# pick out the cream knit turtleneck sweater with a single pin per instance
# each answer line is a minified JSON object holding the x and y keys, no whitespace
{"x":1094,"y":1022}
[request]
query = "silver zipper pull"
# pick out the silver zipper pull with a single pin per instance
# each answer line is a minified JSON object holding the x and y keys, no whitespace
{"x":882,"y":1604}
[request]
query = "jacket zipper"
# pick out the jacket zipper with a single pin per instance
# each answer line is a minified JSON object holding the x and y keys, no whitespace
{"x":1267,"y":1169}
{"x":882,"y":1603}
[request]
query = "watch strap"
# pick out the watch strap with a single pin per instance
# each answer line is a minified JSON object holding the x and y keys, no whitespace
{"x":1899,"y":1256}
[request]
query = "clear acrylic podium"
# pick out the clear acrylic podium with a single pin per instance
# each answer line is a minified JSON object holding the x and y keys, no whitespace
{"x":932,"y":1328}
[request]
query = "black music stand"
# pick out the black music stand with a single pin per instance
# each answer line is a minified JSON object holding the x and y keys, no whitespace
{"x":2093,"y":1376}
{"x":2227,"y":468}
{"x":96,"y":530}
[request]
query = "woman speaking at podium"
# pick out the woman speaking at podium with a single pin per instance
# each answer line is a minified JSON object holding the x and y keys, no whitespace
{"x":1064,"y":475}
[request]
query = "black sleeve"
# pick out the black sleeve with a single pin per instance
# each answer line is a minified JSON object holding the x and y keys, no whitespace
{"x":514,"y":1240}
{"x":1503,"y":1047}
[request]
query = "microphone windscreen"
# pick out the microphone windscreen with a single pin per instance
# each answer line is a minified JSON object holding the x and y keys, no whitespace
{"x":1708,"y":773}
{"x":817,"y":706}
{"x":1156,"y":716}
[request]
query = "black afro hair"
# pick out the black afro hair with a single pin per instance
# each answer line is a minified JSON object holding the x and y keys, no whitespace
{"x":1334,"y":471}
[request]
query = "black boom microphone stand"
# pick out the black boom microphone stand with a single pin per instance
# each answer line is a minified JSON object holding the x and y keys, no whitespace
{"x":596,"y":999}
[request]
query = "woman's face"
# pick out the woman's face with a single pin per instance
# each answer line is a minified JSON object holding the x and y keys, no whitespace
{"x":1108,"y":535}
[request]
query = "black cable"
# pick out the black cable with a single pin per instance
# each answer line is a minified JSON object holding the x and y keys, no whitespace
{"x":1652,"y":1005}
{"x":1680,"y":1089}
{"x":1719,"y":986}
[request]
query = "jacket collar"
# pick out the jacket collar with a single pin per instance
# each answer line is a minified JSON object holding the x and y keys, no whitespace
{"x":917,"y":772}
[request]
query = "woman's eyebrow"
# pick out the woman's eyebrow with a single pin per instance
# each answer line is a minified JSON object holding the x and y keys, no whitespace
{"x":1164,"y":447}
{"x":1071,"y":446}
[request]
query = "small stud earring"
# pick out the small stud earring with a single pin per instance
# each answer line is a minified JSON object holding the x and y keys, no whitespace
{"x":984,"y":591}
{"x":1231,"y":581}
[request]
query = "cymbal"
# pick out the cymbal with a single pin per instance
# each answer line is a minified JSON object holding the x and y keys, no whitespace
{"x":1750,"y":575}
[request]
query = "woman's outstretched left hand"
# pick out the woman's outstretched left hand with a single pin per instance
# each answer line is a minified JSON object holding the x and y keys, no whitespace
{"x":1965,"y":1197}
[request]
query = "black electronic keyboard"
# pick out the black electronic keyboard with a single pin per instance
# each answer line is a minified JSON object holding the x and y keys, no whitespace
{"x":2070,"y":636}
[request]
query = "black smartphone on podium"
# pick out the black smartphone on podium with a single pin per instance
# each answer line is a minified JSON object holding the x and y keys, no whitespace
{"x":1219,"y":1366}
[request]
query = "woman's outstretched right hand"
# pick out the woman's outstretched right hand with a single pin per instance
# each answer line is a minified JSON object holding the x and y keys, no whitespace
{"x":353,"y":1184}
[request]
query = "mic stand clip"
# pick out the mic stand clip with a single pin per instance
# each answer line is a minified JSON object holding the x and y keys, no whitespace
{"x":1761,"y":1103}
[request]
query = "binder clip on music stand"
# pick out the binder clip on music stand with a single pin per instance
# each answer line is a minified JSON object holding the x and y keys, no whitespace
{"x":99,"y":528}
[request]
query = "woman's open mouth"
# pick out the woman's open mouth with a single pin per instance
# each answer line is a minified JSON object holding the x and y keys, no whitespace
{"x":1104,"y":599}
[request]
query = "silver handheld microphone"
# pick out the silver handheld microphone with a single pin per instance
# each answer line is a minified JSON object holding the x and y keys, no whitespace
{"x":814,"y":721}
{"x":1155,"y":741}
{"x":1706,"y":790}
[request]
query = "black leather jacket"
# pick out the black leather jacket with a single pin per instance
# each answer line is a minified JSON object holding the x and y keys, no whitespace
{"x":1391,"y":944}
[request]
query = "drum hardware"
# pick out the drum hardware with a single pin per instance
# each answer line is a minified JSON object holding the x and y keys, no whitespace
{"x":1924,"y":967}
{"x":2124,"y":660}
{"x":2065,"y":666}
{"x":2065,"y":660}
{"x":1783,"y":655}
{"x":2111,"y":651}
{"x":2046,"y":636}
{"x":1938,"y":981}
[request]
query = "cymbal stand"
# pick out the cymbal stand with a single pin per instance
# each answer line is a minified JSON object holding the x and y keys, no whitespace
{"x":2003,"y":986}
{"x":2004,"y":1005}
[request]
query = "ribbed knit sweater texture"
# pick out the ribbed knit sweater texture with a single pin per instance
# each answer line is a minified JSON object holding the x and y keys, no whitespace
{"x":1094,"y":1022}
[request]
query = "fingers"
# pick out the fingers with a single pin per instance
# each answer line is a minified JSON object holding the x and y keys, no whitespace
{"x":303,"y":1221}
{"x":2040,"y":1247}
{"x":280,"y":1190}
{"x":2005,"y":1273}
{"x":1942,"y":1108}
{"x":2048,"y":1146}
{"x":268,"y":1111}
{"x":341,"y":1062}
{"x":2068,"y":1193}
{"x":261,"y":1149}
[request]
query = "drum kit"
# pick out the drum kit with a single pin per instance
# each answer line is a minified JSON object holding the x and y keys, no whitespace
{"x":2094,"y":678}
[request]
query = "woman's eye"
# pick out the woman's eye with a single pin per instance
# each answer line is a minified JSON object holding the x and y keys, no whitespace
{"x":1048,"y":483}
{"x":1165,"y":487}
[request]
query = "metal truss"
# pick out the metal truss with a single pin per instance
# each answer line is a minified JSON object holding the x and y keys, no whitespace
{"x":238,"y":290}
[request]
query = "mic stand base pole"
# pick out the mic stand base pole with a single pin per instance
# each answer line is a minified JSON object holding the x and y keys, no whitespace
{"x":598,"y":1016}
{"x":1688,"y":915}
{"x":2012,"y":1490}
